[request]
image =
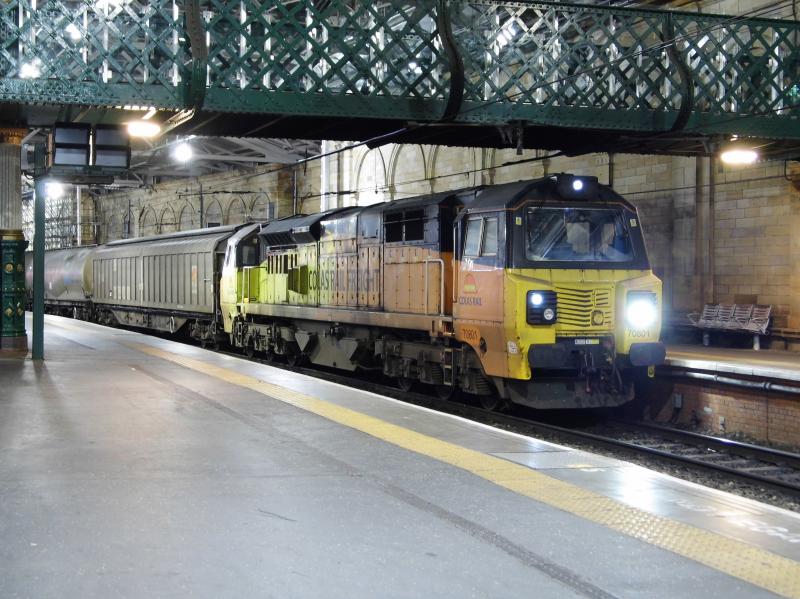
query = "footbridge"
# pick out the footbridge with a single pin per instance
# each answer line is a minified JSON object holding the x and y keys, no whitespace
{"x":481,"y":73}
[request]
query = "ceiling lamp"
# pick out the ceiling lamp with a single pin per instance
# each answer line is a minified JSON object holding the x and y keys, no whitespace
{"x":182,"y":152}
{"x":143,"y":128}
{"x":736,"y":153}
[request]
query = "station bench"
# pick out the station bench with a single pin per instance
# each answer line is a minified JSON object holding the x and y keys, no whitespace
{"x":751,"y":319}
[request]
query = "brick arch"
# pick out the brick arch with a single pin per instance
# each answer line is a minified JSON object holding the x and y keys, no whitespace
{"x":450,"y":162}
{"x":113,"y":228}
{"x":214,"y":214}
{"x":260,"y":207}
{"x":167,"y":223}
{"x":371,"y":178}
{"x":237,"y":212}
{"x":148,"y":222}
{"x":187,"y":218}
{"x":408,"y":171}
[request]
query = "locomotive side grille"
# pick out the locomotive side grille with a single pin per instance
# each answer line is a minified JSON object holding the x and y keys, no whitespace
{"x":576,"y":306}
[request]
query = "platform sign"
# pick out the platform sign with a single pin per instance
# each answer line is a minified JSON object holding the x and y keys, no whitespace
{"x":70,"y":144}
{"x":111,"y":148}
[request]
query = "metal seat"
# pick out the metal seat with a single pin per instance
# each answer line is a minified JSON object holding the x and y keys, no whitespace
{"x":735,"y":318}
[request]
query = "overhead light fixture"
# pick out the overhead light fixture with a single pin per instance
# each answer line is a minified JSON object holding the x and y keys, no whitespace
{"x":53,"y":190}
{"x":143,"y":128}
{"x":737,"y":153}
{"x":182,"y":152}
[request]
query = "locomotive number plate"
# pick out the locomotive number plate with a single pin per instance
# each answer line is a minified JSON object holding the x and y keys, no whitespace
{"x":470,"y":334}
{"x":640,"y":333}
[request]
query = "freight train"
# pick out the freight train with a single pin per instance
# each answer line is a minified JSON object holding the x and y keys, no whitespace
{"x":537,"y":293}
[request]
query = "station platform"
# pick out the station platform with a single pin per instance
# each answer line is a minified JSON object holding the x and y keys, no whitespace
{"x":133,"y":466}
{"x":772,"y":364}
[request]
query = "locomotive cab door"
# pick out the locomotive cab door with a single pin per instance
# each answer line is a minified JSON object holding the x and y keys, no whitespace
{"x":479,"y":292}
{"x":479,"y":267}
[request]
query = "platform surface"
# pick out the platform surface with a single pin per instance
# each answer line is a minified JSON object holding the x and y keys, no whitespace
{"x":131,"y":466}
{"x":765,"y":363}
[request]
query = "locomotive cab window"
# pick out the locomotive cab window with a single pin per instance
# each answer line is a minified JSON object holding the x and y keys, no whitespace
{"x":248,"y":252}
{"x":408,"y":225}
{"x":489,"y":246}
{"x":577,"y":235}
{"x":472,"y":243}
{"x":481,"y":237}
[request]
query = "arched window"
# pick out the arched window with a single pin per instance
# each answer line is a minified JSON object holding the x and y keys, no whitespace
{"x":147,"y":223}
{"x":213,"y":215}
{"x":167,"y":223}
{"x":237,"y":212}
{"x":186,"y":221}
{"x":262,"y":209}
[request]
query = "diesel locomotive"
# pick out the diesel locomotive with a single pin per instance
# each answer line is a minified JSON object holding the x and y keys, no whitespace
{"x":536,"y":292}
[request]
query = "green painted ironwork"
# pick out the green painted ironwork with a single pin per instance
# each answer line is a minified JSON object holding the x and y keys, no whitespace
{"x":12,"y":284}
{"x":539,"y":62}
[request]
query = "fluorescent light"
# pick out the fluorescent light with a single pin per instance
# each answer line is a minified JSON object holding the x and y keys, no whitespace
{"x":182,"y":152}
{"x":143,"y":129}
{"x":739,"y":155}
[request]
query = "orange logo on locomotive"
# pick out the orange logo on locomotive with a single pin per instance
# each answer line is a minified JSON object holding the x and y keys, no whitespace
{"x":470,"y":286}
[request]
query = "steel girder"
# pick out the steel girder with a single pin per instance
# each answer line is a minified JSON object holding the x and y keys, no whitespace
{"x":482,"y":62}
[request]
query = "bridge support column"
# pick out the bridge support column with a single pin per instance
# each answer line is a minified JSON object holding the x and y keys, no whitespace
{"x":12,"y":246}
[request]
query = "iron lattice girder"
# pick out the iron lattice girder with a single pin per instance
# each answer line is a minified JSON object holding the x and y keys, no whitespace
{"x":542,"y":63}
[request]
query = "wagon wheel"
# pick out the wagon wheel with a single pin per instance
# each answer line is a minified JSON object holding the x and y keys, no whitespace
{"x":445,"y":391}
{"x":294,"y":359}
{"x":405,"y":384}
{"x":493,"y":402}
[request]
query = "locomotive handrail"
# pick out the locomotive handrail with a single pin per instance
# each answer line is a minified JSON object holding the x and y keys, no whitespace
{"x":428,"y":260}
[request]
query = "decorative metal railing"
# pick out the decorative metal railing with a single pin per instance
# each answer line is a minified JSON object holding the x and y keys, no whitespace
{"x":481,"y":61}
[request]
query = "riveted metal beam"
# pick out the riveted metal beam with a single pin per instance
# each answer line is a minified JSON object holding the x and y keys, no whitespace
{"x":480,"y":62}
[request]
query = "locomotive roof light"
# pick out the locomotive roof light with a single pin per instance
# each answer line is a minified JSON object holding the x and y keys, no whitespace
{"x":571,"y":187}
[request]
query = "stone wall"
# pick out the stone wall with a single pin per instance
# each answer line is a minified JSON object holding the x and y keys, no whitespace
{"x":230,"y":198}
{"x":714,"y":233}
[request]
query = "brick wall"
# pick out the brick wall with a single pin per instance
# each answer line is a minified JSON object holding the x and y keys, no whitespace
{"x":769,"y":418}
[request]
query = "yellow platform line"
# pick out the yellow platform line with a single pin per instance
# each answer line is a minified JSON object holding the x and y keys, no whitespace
{"x":762,"y":568}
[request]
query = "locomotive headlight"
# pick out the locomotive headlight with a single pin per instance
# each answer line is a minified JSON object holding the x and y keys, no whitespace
{"x":641,"y":310}
{"x":577,"y":185}
{"x":541,"y":307}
